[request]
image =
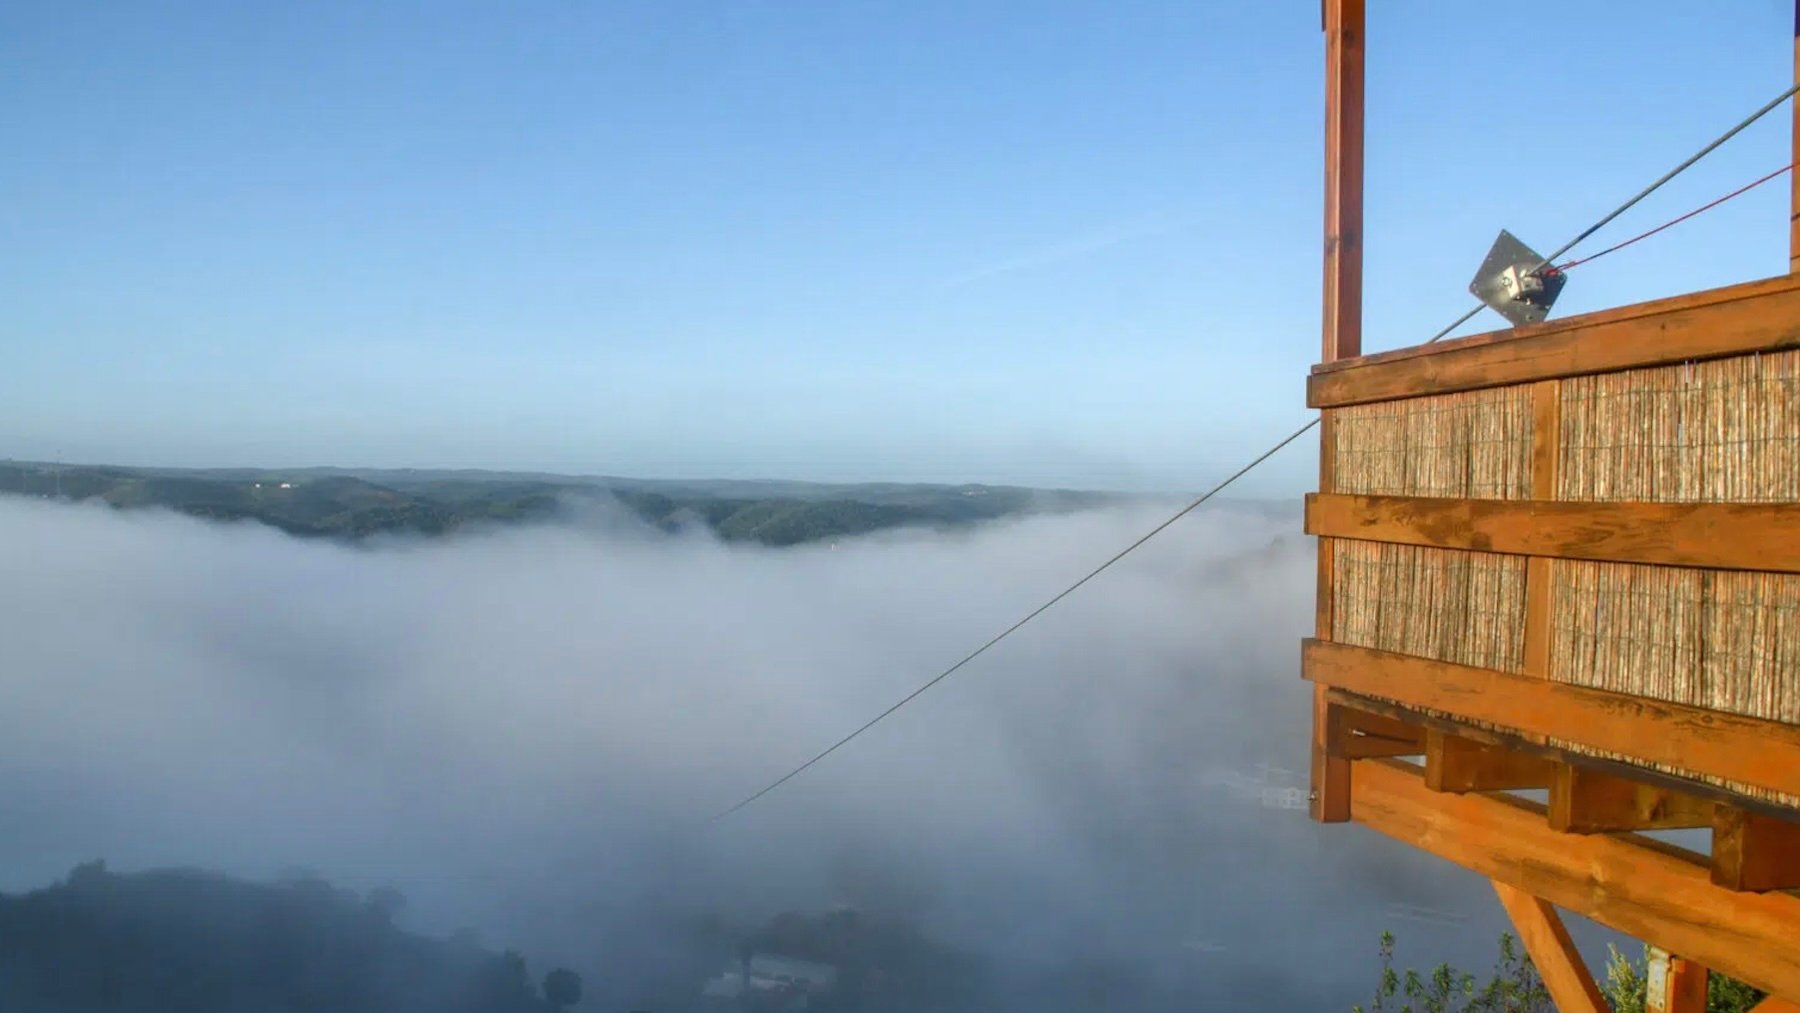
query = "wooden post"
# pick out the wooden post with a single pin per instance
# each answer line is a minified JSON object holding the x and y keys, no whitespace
{"x":1794,"y":176}
{"x":1343,"y":178}
{"x":1673,"y":985}
{"x":1342,"y":334}
{"x":1546,"y":461}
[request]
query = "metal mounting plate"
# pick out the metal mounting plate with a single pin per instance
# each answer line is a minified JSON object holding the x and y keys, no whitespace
{"x":1508,"y":260}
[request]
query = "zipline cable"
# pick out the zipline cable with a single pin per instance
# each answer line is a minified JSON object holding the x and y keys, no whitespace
{"x":1246,"y":469}
{"x":1616,"y":247}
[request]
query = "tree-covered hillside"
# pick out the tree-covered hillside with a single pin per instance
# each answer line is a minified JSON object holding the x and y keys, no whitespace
{"x":192,"y":942}
{"x":334,"y":503}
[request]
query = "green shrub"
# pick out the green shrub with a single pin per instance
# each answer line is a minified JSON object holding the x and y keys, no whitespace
{"x":1515,"y":987}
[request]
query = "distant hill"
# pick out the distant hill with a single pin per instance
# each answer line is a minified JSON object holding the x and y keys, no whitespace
{"x":194,"y":942}
{"x":355,"y":504}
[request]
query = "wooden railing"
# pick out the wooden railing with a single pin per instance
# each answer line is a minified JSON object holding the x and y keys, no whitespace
{"x":1714,"y":751}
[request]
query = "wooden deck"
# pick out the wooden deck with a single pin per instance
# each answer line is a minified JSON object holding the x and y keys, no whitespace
{"x":1565,"y":558}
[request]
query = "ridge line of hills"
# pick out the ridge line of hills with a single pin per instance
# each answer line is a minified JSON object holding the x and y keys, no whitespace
{"x":353,"y":504}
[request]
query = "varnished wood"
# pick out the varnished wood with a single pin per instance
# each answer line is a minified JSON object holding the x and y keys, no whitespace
{"x":1539,"y":747}
{"x":1758,"y":317}
{"x":1754,"y":852}
{"x":1727,"y":536}
{"x":1546,"y":438}
{"x":1344,"y":24}
{"x":1747,"y":750}
{"x":1540,"y":612}
{"x":1457,"y":764}
{"x":1364,"y":747}
{"x":1322,"y":604}
{"x":1794,"y":155}
{"x":1546,"y":465}
{"x":1776,"y":1004}
{"x":1616,"y":314}
{"x":1546,"y":939}
{"x":1588,"y":801}
{"x":1329,"y":798}
{"x":1675,"y":984}
{"x":1360,"y":735}
{"x":1631,"y":883}
{"x":1341,"y":327}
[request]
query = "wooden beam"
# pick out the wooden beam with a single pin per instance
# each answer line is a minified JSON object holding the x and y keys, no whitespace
{"x":1630,"y":883}
{"x":1344,"y":24}
{"x":1617,"y":314}
{"x":1538,"y":746}
{"x":1719,"y":536}
{"x":1760,"y":316}
{"x":1747,"y":750}
{"x":1775,"y":1004}
{"x":1456,"y":764}
{"x":1586,"y":801}
{"x":1754,"y":852}
{"x":1673,"y":984}
{"x":1541,"y":929}
{"x":1360,"y":735}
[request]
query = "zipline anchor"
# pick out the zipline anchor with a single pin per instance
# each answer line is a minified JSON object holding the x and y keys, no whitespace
{"x":1517,"y":283}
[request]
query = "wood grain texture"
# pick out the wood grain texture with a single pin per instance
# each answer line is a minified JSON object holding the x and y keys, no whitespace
{"x":1344,"y":24}
{"x":1616,"y":314}
{"x":1536,"y":746}
{"x":1587,"y":801}
{"x":1360,"y":735}
{"x":1546,"y":939}
{"x":1720,"y":536}
{"x":1754,"y":852}
{"x":1329,"y":798}
{"x":1675,"y":984}
{"x":1630,"y":883}
{"x":1728,"y":746}
{"x":1794,"y":154}
{"x":1540,"y":587}
{"x":1457,"y":764}
{"x":1760,"y":316}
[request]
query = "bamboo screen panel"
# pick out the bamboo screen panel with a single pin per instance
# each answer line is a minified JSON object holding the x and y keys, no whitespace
{"x":1720,"y":431}
{"x":1463,"y":607}
{"x":1723,"y":640}
{"x":1469,"y":445}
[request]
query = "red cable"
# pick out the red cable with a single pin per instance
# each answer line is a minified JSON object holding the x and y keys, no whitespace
{"x":1565,"y":265}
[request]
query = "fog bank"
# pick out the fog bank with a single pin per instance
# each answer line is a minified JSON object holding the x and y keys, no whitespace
{"x":526,"y":730}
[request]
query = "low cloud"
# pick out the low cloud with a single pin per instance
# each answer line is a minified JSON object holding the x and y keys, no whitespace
{"x":526,"y":731}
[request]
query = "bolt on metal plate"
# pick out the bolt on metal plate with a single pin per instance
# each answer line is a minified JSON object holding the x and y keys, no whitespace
{"x":1514,"y":282}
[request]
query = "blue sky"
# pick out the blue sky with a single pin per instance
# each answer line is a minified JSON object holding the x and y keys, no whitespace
{"x":1051,"y":243}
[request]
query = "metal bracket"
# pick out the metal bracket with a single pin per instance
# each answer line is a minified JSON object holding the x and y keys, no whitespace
{"x":1515,"y":282}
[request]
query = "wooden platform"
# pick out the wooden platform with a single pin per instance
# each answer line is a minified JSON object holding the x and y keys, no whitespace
{"x":1565,"y":558}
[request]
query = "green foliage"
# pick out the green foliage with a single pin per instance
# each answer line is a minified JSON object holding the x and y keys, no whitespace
{"x":1627,"y":987}
{"x":1626,"y":990}
{"x":325,"y":504}
{"x":1514,"y":986}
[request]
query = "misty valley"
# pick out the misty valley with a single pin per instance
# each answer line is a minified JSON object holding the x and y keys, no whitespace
{"x":494,"y":752}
